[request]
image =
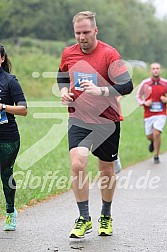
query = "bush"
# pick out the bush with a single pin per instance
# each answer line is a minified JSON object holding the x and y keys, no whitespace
{"x":20,"y":45}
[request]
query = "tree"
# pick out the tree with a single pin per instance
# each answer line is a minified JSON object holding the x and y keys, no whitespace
{"x":129,"y":25}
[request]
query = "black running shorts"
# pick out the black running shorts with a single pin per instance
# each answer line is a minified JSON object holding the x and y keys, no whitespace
{"x":101,"y":139}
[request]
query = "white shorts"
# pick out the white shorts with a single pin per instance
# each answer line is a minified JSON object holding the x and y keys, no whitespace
{"x":154,"y":122}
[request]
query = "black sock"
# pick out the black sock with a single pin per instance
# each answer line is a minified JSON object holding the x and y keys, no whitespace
{"x":106,"y":208}
{"x":84,"y":209}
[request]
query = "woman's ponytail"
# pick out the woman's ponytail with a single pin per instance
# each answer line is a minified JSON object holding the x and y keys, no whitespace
{"x":6,"y":65}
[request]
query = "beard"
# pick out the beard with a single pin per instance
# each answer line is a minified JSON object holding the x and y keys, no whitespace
{"x":85,"y":45}
{"x":156,"y":75}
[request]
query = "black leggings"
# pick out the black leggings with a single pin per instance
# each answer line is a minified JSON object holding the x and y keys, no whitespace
{"x":8,"y":154}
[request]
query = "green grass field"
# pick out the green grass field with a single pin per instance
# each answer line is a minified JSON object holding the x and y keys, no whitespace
{"x":43,"y":132}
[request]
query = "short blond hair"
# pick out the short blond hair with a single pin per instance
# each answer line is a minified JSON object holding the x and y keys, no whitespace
{"x":85,"y":15}
{"x":155,"y":63}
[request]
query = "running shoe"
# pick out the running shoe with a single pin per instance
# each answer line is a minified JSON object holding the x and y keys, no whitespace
{"x":10,"y":221}
{"x":81,"y":228}
{"x":156,"y":160}
{"x":105,"y":226}
{"x":151,"y":146}
{"x":117,"y":165}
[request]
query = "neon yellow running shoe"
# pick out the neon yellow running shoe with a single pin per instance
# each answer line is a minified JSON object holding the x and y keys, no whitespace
{"x":81,"y":228}
{"x":10,"y":221}
{"x":105,"y":226}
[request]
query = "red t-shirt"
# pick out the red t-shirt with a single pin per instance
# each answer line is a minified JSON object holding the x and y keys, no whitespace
{"x":151,"y":89}
{"x":100,"y":66}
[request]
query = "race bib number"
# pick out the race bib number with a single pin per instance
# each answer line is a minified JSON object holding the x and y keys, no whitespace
{"x":79,"y":77}
{"x":156,"y":107}
{"x":3,"y":117}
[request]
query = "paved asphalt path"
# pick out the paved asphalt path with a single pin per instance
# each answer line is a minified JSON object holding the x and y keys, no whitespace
{"x":139,"y":217}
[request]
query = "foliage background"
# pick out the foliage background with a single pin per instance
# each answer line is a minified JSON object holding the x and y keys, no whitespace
{"x":129,"y":25}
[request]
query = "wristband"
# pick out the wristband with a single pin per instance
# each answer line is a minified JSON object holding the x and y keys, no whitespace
{"x":3,"y":107}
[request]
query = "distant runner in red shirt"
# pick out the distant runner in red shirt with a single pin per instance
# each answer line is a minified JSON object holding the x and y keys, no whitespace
{"x":152,"y":96}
